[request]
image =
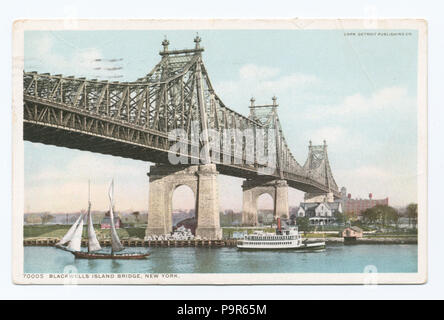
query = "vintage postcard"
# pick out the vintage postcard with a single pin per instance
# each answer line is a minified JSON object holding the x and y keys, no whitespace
{"x":284,"y":151}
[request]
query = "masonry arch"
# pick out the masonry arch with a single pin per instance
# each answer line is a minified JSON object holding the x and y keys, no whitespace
{"x":202,"y":180}
{"x":265,"y":207}
{"x":253,"y":189}
{"x":184,"y":206}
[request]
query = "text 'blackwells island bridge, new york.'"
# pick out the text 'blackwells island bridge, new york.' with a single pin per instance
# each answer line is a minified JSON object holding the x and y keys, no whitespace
{"x":133,"y":120}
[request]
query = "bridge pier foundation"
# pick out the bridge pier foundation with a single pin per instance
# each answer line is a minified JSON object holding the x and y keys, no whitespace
{"x":202,"y":180}
{"x":253,"y":189}
{"x":208,"y":220}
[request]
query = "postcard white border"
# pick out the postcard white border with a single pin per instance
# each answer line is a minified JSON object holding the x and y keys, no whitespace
{"x":175,"y":24}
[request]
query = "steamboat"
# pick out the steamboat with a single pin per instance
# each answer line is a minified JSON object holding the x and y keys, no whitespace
{"x":286,"y":237}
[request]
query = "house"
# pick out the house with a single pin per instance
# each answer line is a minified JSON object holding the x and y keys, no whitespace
{"x":320,"y":213}
{"x":352,"y":233}
{"x":106,"y":223}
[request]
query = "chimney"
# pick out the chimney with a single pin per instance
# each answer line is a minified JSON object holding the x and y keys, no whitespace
{"x":349,"y":196}
{"x":370,"y":196}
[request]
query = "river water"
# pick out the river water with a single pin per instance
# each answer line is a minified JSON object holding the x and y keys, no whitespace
{"x":335,"y":259}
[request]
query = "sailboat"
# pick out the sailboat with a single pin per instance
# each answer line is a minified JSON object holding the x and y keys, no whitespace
{"x":73,"y":237}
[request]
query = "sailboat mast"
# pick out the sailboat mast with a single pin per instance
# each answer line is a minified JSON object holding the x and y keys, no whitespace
{"x":116,"y":245}
{"x":111,"y":213}
{"x":89,"y":213}
{"x":93,"y":243}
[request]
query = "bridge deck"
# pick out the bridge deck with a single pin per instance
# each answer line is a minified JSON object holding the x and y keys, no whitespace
{"x":133,"y":119}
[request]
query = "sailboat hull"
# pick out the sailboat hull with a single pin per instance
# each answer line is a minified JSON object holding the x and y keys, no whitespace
{"x":123,"y":256}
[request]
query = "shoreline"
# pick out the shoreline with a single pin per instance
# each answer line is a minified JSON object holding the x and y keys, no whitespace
{"x":372,"y":240}
{"x":50,"y":241}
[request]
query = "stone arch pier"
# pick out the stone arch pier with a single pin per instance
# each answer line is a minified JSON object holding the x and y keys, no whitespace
{"x":253,"y":189}
{"x":202,"y":180}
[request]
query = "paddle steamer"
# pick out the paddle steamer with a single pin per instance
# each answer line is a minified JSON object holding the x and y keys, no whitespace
{"x":287,"y":237}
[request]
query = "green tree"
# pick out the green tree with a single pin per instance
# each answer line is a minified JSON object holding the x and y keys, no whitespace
{"x":303,"y":223}
{"x":391,"y":215}
{"x":412,"y":213}
{"x":369,"y":216}
{"x":341,"y":218}
{"x":381,"y":214}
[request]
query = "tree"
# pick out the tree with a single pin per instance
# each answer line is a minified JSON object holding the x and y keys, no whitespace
{"x":340,"y":218}
{"x":136,"y":215}
{"x":391,"y":215}
{"x":303,"y":223}
{"x":33,"y":219}
{"x":412,"y":213}
{"x":46,"y":217}
{"x":369,"y":216}
{"x":381,"y":214}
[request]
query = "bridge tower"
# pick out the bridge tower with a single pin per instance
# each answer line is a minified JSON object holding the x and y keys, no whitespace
{"x":317,"y":166}
{"x":201,"y":178}
{"x":253,"y":188}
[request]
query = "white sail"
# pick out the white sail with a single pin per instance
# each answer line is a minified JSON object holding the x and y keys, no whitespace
{"x":115,"y":241}
{"x":93,"y":243}
{"x":76,"y":240}
{"x":68,"y":236}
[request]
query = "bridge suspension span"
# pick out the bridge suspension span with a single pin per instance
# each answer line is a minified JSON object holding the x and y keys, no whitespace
{"x":135,"y":120}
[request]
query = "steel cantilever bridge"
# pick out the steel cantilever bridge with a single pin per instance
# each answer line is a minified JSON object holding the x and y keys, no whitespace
{"x":133,"y":119}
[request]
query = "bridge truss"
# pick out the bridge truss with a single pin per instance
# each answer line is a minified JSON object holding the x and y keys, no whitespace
{"x":133,"y":119}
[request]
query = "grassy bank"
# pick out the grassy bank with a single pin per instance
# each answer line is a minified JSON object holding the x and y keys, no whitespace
{"x":58,"y":231}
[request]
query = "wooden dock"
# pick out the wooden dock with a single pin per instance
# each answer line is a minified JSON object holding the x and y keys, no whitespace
{"x":141,"y":243}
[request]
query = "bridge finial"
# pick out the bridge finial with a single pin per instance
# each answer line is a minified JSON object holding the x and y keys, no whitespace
{"x":274,"y":101}
{"x":197,"y":40}
{"x":252,"y":100}
{"x":165,"y":44}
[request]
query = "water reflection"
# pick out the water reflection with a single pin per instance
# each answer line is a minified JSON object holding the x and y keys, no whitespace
{"x":116,"y":266}
{"x":352,"y":259}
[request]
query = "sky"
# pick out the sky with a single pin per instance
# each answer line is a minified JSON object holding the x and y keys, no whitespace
{"x":357,"y":92}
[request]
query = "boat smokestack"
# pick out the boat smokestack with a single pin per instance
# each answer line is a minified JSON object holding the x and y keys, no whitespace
{"x":279,"y":223}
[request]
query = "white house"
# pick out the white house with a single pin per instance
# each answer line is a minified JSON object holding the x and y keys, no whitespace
{"x":320,"y":213}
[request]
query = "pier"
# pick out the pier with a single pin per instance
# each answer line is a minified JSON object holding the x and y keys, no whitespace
{"x":141,"y":243}
{"x":218,"y":243}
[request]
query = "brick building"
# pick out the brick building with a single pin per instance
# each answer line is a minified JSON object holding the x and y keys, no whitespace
{"x":357,"y":206}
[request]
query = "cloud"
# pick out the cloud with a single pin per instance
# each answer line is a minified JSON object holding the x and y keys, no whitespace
{"x":381,"y":182}
{"x":261,"y":82}
{"x":62,"y":187}
{"x":332,"y":134}
{"x":86,"y":166}
{"x":43,"y":45}
{"x":79,"y":62}
{"x":254,"y":72}
{"x":72,"y":196}
{"x":385,"y":99}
